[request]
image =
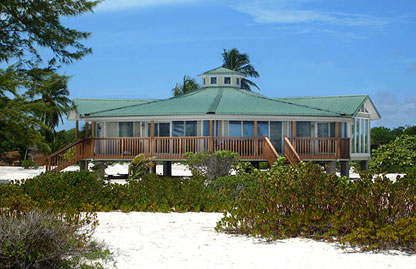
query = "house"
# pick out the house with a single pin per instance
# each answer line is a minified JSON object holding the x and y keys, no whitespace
{"x":222,"y":116}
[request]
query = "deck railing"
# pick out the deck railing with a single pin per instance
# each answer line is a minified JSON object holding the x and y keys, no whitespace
{"x":321,"y":147}
{"x":171,"y":147}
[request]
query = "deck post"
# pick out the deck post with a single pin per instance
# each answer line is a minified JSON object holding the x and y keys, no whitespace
{"x":345,"y":168}
{"x":86,"y":129}
{"x":210,"y":142}
{"x":364,"y":166}
{"x":152,"y":133}
{"x":76,"y":129}
{"x":167,"y":168}
{"x":331,"y":167}
{"x":293,"y":128}
{"x":256,"y":143}
{"x":83,"y":165}
{"x":93,"y":129}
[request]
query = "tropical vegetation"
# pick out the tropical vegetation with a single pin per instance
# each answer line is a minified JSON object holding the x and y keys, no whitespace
{"x":240,"y":62}
{"x":188,"y":85}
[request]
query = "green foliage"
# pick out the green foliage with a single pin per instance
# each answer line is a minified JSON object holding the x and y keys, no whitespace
{"x":398,"y":156}
{"x":188,"y":85}
{"x":140,"y":166}
{"x":382,"y":135}
{"x":287,"y":202}
{"x":211,"y":165}
{"x":85,"y":191}
{"x":240,"y":62}
{"x":43,"y":239}
{"x":26,"y":164}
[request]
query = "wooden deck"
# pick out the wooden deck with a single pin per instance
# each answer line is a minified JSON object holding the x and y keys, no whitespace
{"x":174,"y":148}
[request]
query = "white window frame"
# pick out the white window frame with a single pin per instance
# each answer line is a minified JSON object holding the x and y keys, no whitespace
{"x":216,"y":79}
{"x":227,"y":83}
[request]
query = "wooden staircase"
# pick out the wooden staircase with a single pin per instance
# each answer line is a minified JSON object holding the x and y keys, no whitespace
{"x":271,"y":154}
{"x":66,"y":156}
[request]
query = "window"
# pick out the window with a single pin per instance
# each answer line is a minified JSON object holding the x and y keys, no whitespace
{"x":178,"y":128}
{"x":361,"y":135}
{"x":161,"y":129}
{"x":125,"y":129}
{"x":190,"y":128}
{"x":203,"y":81}
{"x":227,"y":80}
{"x":248,"y":128}
{"x":263,"y":128}
{"x":238,"y":81}
{"x":303,"y":129}
{"x":276,"y":135}
{"x":235,"y":129}
{"x":213,"y":80}
{"x":326,"y":129}
{"x":206,"y":128}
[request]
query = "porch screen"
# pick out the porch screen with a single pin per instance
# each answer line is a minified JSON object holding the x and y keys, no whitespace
{"x":360,"y":135}
{"x":125,"y":129}
{"x":178,"y":128}
{"x":276,"y":135}
{"x":326,"y":129}
{"x":190,"y":128}
{"x":303,"y":129}
{"x":235,"y":129}
{"x":263,"y":128}
{"x":248,"y":128}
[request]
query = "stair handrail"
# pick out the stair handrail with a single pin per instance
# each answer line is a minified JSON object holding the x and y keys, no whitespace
{"x":293,"y":151}
{"x":66,"y":147}
{"x":269,"y":143}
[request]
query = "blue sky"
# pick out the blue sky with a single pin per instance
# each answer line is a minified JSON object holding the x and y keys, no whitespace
{"x":141,"y":48}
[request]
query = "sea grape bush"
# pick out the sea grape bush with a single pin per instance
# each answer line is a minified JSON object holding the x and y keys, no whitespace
{"x":85,"y":191}
{"x":398,"y":156}
{"x":288,"y":202}
{"x":211,"y":164}
{"x":140,"y":166}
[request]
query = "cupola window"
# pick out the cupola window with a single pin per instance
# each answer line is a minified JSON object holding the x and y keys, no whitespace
{"x":203,"y":81}
{"x":238,"y":81}
{"x":213,"y":80}
{"x":227,"y":80}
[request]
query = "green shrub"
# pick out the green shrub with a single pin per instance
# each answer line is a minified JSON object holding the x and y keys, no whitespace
{"x":42,"y":239}
{"x":140,"y":166}
{"x":211,"y":165}
{"x":397,"y":157}
{"x":287,"y":202}
{"x":27,"y":164}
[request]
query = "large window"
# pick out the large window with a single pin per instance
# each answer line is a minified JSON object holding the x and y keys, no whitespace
{"x":213,"y":80}
{"x":303,"y":129}
{"x":184,"y":128}
{"x":234,"y":128}
{"x":162,"y":129}
{"x":190,"y":128}
{"x":326,"y":129}
{"x":205,"y":128}
{"x":125,"y":129}
{"x":227,"y":80}
{"x":248,"y":128}
{"x":276,"y":135}
{"x":361,"y":135}
{"x":263,"y":128}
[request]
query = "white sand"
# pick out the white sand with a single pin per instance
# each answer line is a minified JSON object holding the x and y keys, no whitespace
{"x":188,"y":240}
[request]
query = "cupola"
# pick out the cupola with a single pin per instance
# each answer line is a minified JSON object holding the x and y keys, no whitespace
{"x":221,"y":77}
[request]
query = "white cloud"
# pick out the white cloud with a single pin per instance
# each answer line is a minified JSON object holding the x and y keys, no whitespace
{"x":290,"y":12}
{"x":395,"y":112}
{"x":117,"y":5}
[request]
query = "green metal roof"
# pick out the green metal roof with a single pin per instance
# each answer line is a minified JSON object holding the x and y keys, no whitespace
{"x":222,"y":71}
{"x":216,"y":100}
{"x":344,"y":105}
{"x":85,"y":106}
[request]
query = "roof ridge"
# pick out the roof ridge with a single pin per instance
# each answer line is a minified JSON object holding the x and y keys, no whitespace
{"x":112,"y":99}
{"x":214,"y":105}
{"x":271,"y":99}
{"x":323,"y":96}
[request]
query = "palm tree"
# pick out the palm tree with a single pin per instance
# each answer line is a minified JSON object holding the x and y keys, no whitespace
{"x":55,"y":96}
{"x":240,"y":62}
{"x":188,"y":85}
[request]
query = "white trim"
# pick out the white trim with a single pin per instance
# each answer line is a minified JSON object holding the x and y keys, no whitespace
{"x":219,"y":117}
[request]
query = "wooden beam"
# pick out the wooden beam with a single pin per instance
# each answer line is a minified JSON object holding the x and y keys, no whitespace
{"x":293,"y":128}
{"x":255,"y":128}
{"x":76,"y":129}
{"x":152,"y":128}
{"x":86,"y":129}
{"x":93,"y":129}
{"x":336,"y":129}
{"x":210,"y":128}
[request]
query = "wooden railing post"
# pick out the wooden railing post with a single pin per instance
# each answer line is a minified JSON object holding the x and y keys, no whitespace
{"x":76,"y":129}
{"x":211,"y":139}
{"x":152,"y":133}
{"x":256,"y":143}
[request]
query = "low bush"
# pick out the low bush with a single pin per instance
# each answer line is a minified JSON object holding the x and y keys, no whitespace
{"x":398,"y":156}
{"x":211,"y":165}
{"x":140,"y":166}
{"x":27,"y":164}
{"x":287,"y":202}
{"x":44,"y":239}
